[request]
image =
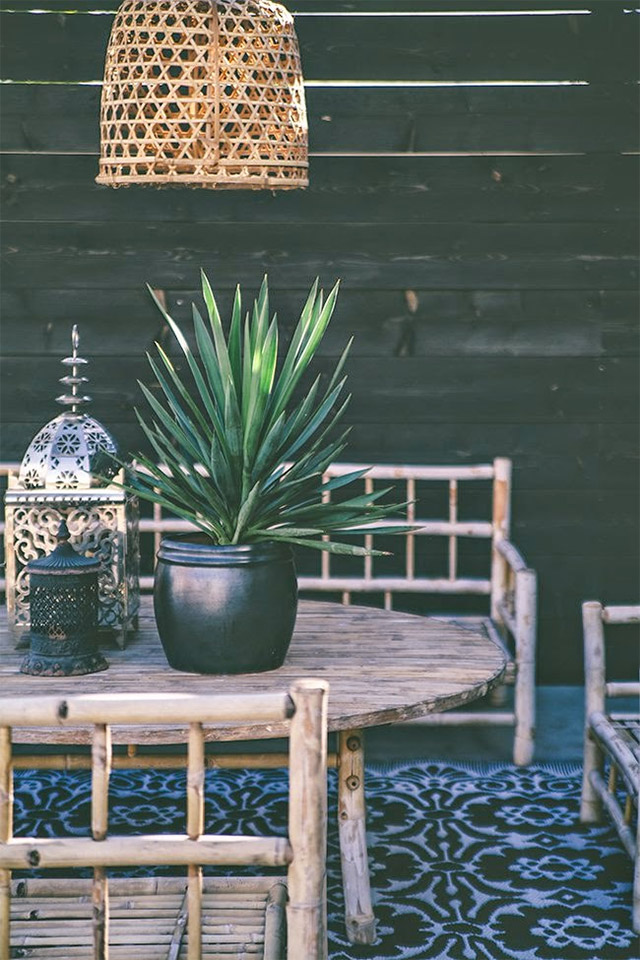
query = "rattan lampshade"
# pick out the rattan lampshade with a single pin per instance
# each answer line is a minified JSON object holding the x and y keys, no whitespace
{"x":203,"y":93}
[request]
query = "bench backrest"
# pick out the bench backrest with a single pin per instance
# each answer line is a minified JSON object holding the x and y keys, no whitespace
{"x":302,"y":852}
{"x":595,"y":617}
{"x":410,"y":483}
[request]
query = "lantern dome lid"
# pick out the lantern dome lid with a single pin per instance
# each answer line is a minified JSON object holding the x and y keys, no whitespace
{"x":64,"y":559}
{"x":71,"y":452}
{"x":74,"y":451}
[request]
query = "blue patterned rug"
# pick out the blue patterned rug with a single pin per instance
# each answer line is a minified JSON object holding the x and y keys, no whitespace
{"x":485,"y":863}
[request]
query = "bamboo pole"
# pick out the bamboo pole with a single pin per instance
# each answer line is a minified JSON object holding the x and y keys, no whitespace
{"x":361,"y":925}
{"x":101,"y":752}
{"x":100,"y":914}
{"x":6,"y":785}
{"x":6,"y":830}
{"x":142,"y":708}
{"x":158,"y":761}
{"x":507,"y":618}
{"x":621,"y":614}
{"x":274,"y":922}
{"x":368,"y":540}
{"x":453,"y":540}
{"x":453,"y":718}
{"x":594,"y":666}
{"x":614,"y":811}
{"x":410,"y":558}
{"x":473,"y":585}
{"x":512,"y":555}
{"x":628,"y":688}
{"x":481,"y":471}
{"x":617,"y":745}
{"x":149,"y":850}
{"x":178,"y":931}
{"x":195,"y":782}
{"x":195,"y":828}
{"x":306,"y":910}
{"x":636,"y":880}
{"x":100,"y":773}
{"x":525,"y":685}
{"x":236,"y":888}
{"x":501,"y":514}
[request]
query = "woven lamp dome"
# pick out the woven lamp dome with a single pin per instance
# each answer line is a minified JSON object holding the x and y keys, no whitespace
{"x":203,"y":93}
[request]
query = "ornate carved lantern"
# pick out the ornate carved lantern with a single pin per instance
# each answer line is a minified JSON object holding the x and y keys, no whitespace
{"x":67,"y":474}
{"x":63,"y":604}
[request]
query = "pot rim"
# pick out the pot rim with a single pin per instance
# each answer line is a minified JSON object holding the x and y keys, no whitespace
{"x":186,"y":550}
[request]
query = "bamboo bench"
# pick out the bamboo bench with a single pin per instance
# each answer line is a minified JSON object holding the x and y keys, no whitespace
{"x":610,"y":738}
{"x":195,"y":917}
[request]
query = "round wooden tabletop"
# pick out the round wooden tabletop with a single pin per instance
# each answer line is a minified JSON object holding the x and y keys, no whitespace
{"x":382,"y":667}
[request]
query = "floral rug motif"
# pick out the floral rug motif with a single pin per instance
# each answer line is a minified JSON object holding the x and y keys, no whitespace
{"x":468,"y":862}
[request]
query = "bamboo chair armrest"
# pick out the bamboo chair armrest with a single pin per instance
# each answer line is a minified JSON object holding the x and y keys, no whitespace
{"x":512,"y":555}
{"x":612,"y":741}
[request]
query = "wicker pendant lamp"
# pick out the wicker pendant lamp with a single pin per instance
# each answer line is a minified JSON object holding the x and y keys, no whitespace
{"x":203,"y":93}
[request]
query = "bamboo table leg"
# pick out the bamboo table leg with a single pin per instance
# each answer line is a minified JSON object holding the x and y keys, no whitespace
{"x":359,"y":918}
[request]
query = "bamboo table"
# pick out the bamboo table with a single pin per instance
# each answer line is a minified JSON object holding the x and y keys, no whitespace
{"x":382,"y":667}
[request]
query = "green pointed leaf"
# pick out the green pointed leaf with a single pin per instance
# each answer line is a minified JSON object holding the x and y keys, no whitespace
{"x":209,"y":358}
{"x":222,"y":353}
{"x":201,"y":385}
{"x":329,"y":546}
{"x":235,"y":342}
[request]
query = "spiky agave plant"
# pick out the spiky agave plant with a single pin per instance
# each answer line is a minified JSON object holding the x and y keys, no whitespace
{"x":240,"y":461}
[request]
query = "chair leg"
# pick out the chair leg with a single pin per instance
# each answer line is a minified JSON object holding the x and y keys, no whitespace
{"x":5,"y":913}
{"x":359,"y":918}
{"x":590,"y":803}
{"x":524,"y":698}
{"x":636,"y":882}
{"x":498,"y":696}
{"x":525,"y":719}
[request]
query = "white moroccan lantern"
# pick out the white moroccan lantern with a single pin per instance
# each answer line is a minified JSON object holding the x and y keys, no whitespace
{"x":65,"y":475}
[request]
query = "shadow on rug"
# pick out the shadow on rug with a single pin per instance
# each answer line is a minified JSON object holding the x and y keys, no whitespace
{"x":486,"y":863}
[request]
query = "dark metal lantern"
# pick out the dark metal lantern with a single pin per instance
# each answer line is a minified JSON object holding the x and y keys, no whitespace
{"x":64,"y":613}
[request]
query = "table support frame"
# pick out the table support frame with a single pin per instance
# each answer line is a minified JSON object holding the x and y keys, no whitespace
{"x":359,"y":918}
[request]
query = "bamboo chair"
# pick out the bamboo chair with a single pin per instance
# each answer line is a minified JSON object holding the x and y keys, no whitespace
{"x":610,"y":738}
{"x":511,"y":585}
{"x":172,"y":918}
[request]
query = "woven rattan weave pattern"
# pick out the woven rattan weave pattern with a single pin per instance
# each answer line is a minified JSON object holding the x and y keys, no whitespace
{"x":203,"y":93}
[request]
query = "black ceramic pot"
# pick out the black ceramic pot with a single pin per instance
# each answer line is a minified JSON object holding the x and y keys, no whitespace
{"x":227,"y":609}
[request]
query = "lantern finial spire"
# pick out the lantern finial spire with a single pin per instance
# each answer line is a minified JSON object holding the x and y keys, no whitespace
{"x":73,"y":399}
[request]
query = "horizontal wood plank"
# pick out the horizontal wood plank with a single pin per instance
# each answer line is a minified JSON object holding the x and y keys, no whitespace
{"x":414,"y":190}
{"x":301,"y":8}
{"x":414,"y":390}
{"x":571,"y":255}
{"x":385,"y":323}
{"x":577,"y":456}
{"x":594,"y":46}
{"x":311,"y":8}
{"x":62,"y":118}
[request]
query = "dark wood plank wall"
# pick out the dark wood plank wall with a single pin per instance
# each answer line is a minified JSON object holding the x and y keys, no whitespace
{"x":482,"y":157}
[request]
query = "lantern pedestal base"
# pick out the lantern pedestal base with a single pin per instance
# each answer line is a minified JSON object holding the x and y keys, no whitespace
{"x":62,"y":658}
